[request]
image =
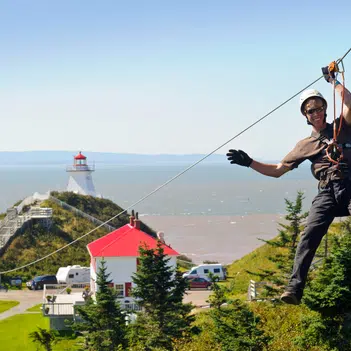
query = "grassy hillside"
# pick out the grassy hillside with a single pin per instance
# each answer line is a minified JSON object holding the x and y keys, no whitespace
{"x":258,"y":259}
{"x":283,"y":323}
{"x":36,"y":241}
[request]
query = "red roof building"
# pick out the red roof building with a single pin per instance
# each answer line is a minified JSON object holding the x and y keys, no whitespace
{"x":120,"y":250}
{"x":125,"y":241}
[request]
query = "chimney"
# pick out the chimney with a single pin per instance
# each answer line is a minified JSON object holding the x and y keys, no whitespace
{"x":131,"y":219}
{"x":161,"y":237}
{"x":136,"y":222}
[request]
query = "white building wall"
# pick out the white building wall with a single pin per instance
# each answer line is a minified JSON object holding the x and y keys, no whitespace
{"x":92,"y":278}
{"x":173,"y":262}
{"x":121,"y":269}
{"x":81,"y":183}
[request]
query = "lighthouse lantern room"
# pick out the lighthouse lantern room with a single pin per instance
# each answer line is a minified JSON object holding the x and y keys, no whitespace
{"x":80,"y":179}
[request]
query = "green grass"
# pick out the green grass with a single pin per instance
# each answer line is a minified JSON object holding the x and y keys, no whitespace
{"x":251,"y":262}
{"x":7,"y":304}
{"x":258,"y":259}
{"x":14,"y":333}
{"x":36,"y":308}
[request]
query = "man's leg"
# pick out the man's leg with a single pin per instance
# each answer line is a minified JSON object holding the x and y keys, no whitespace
{"x":319,"y":219}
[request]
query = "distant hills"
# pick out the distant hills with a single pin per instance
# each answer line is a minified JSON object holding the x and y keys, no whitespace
{"x":66,"y":157}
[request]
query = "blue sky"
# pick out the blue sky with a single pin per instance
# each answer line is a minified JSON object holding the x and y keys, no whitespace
{"x":162,"y":76}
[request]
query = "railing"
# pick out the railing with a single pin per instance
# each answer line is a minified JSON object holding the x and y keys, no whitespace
{"x":58,"y":309}
{"x":81,"y":213}
{"x":78,"y":168}
{"x":254,"y":290}
{"x":4,"y":222}
{"x":68,"y":309}
{"x":31,"y":200}
{"x":40,"y":212}
{"x":59,"y":289}
{"x":10,"y":226}
{"x":130,"y":307}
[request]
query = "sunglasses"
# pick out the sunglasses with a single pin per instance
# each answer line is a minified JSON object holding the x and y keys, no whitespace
{"x":315,"y":110}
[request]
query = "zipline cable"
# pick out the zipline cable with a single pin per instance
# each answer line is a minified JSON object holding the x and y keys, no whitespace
{"x":171,"y":179}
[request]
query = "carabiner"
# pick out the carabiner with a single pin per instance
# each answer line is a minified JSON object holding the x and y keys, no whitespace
{"x":342,"y":65}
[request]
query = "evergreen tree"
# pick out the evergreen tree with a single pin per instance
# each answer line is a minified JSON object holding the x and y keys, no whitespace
{"x":329,"y":293}
{"x":285,"y":244}
{"x":219,"y":293}
{"x":44,"y":338}
{"x":236,"y":327}
{"x":159,"y":292}
{"x":103,"y":322}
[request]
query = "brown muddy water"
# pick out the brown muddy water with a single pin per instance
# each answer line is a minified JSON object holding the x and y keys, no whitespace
{"x":216,"y":238}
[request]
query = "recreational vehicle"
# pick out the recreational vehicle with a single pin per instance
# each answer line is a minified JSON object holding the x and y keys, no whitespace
{"x":203,"y":271}
{"x":73,"y":274}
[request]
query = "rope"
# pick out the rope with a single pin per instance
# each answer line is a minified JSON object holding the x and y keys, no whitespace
{"x":171,"y":179}
{"x":340,"y":59}
{"x":342,"y":101}
{"x":336,"y":149}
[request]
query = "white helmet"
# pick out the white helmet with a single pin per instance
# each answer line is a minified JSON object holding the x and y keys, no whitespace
{"x":307,"y":94}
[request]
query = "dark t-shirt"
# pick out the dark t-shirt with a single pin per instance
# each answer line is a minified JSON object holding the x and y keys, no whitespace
{"x":314,"y":149}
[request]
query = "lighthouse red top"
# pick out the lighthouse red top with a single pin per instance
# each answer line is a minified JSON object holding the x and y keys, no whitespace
{"x":80,"y":156}
{"x":80,"y":164}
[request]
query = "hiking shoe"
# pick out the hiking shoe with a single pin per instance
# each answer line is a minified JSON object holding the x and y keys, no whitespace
{"x":290,"y":298}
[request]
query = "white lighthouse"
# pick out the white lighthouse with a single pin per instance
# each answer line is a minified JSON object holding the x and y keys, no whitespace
{"x":80,"y":179}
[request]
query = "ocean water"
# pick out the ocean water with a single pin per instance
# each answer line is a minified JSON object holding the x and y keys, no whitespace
{"x":214,"y":211}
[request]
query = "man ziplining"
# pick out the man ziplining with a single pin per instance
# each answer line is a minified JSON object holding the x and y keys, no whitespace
{"x":329,"y":150}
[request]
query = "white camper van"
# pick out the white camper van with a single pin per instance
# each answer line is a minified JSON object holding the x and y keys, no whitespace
{"x":203,"y":271}
{"x":73,"y":274}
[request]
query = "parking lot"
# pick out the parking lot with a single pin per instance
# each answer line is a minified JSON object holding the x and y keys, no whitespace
{"x":27,"y":299}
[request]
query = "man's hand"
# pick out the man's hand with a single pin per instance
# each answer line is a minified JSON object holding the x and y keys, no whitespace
{"x":329,"y":72}
{"x":239,"y":157}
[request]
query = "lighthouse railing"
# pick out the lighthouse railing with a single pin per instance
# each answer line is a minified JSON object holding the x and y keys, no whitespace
{"x":79,"y":168}
{"x":82,"y":214}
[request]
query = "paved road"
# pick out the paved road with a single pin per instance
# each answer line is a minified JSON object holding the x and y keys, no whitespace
{"x":29,"y":298}
{"x":197,"y":297}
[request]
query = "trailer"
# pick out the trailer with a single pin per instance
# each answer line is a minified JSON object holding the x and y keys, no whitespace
{"x":73,"y":274}
{"x":204,"y":270}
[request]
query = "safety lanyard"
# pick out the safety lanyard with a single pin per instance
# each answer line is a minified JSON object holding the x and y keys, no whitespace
{"x":334,"y":148}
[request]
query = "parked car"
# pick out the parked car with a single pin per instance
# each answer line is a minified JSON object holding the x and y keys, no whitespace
{"x":39,"y":282}
{"x":199,"y":283}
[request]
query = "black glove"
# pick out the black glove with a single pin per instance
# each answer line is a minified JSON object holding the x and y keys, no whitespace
{"x":239,"y":157}
{"x":328,"y":75}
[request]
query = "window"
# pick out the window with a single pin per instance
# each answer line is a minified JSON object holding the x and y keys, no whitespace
{"x":119,"y":290}
{"x":206,"y":271}
{"x":217,"y":270}
{"x":128,"y":288}
{"x":194,"y":271}
{"x":71,"y":276}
